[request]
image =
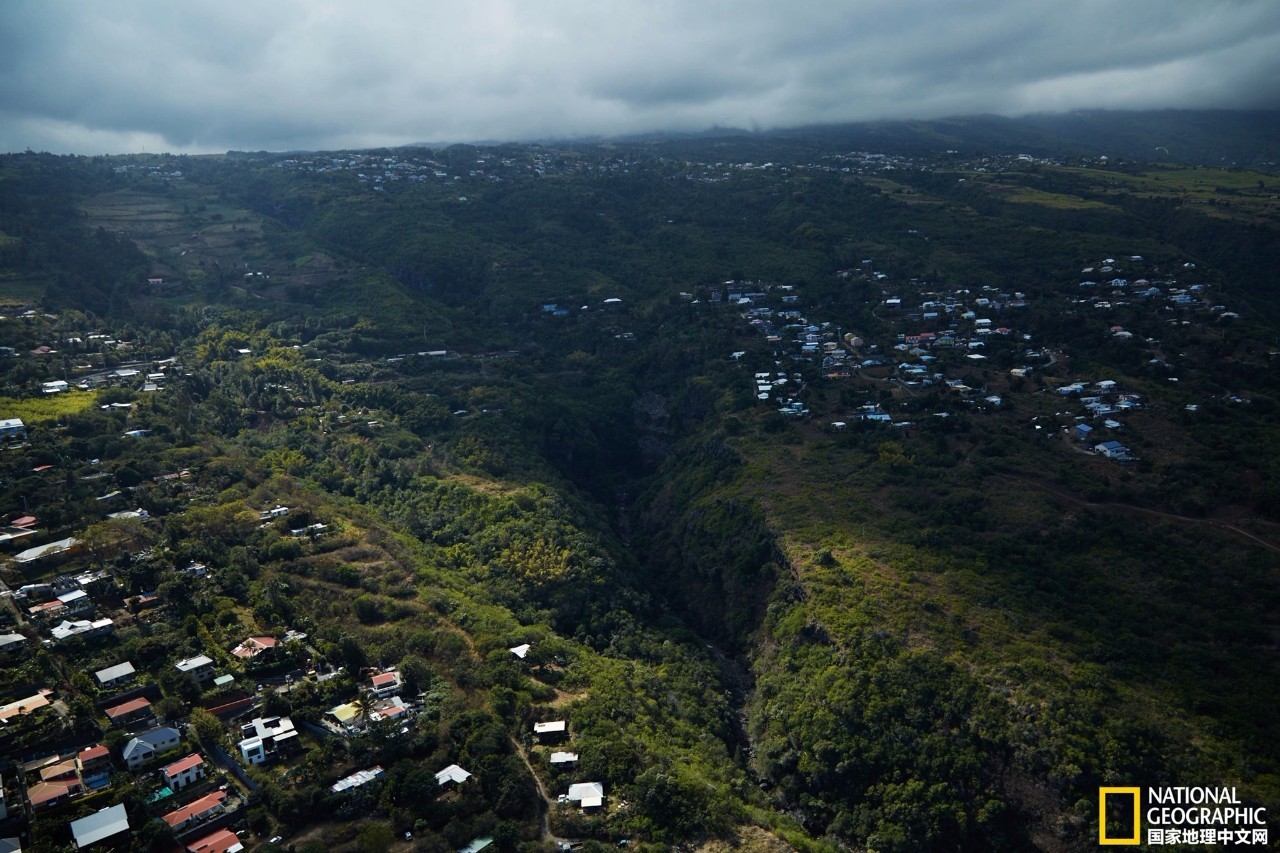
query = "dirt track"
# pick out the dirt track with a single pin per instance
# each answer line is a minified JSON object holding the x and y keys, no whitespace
{"x":1064,"y":495}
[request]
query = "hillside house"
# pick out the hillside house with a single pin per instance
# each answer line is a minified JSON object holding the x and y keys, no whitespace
{"x":589,"y":795}
{"x":453,"y":774}
{"x":556,"y":730}
{"x":94,"y":765}
{"x":199,"y":668}
{"x":77,"y":602}
{"x":105,"y":824}
{"x":128,"y":713}
{"x":12,"y":428}
{"x":267,"y":737}
{"x":218,"y":841}
{"x":1114,"y":450}
{"x":357,"y":779}
{"x":59,"y":782}
{"x":27,"y":705}
{"x":114,"y":676}
{"x":48,"y":550}
{"x":11,"y":644}
{"x":82,"y":628}
{"x":196,"y":812}
{"x":147,"y":745}
{"x":385,"y":684}
{"x":184,"y":771}
{"x":254,"y":646}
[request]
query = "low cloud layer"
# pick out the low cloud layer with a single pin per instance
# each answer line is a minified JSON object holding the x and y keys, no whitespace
{"x":201,"y":76}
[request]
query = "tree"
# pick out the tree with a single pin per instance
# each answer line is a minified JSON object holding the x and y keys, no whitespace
{"x":206,"y":726}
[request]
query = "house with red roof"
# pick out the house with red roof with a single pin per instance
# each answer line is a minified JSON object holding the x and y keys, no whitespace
{"x":222,"y":841}
{"x":386,"y":684}
{"x":135,"y":710}
{"x":184,"y":771}
{"x":193,"y":813}
{"x":46,"y":795}
{"x":94,"y":764}
{"x":253,"y":647}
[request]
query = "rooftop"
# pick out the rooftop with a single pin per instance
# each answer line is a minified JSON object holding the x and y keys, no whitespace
{"x":182,"y":765}
{"x":100,"y":825}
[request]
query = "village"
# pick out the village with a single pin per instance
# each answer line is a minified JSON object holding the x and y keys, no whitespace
{"x":83,"y":720}
{"x":981,"y":344}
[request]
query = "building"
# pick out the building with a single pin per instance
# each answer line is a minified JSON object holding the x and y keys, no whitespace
{"x":102,"y":825}
{"x":94,"y":765}
{"x":199,"y":668}
{"x":22,"y":707}
{"x":12,"y":428}
{"x":1113,"y":450}
{"x":550,"y":731}
{"x":221,"y":841}
{"x":77,"y":601}
{"x":11,"y":643}
{"x":67,"y":629}
{"x":149,"y":744}
{"x":267,"y":737}
{"x":590,"y":795}
{"x":49,"y":549}
{"x":116,"y":675}
{"x":184,"y":771}
{"x":563,"y":757}
{"x":133,"y":711}
{"x":58,"y":783}
{"x":357,"y":779}
{"x":386,"y":684}
{"x":453,"y":773}
{"x":195,"y":812}
{"x":254,"y":646}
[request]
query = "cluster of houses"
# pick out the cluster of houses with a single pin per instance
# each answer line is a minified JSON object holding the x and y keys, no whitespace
{"x":198,"y":824}
{"x":67,"y":606}
{"x":554,"y":734}
{"x":1103,"y":403}
{"x":381,"y":703}
{"x":945,"y":339}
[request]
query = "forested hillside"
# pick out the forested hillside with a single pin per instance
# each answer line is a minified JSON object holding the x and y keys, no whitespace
{"x":832,"y":497}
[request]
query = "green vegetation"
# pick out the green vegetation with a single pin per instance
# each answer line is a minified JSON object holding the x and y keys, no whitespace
{"x":503,"y":399}
{"x":48,"y":407}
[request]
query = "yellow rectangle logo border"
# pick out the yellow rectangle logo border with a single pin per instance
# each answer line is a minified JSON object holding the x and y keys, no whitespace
{"x":1136,"y":793}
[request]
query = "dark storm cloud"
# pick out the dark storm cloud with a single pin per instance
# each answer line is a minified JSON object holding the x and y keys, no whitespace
{"x":206,"y":76}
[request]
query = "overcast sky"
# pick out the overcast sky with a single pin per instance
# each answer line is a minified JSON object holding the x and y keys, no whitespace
{"x":193,"y":76}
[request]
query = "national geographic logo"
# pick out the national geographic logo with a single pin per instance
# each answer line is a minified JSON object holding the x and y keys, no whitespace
{"x":1129,"y":801}
{"x":1178,"y":815}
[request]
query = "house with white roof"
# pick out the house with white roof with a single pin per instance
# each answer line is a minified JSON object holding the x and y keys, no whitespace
{"x":266,"y":737}
{"x":590,"y":795}
{"x":143,"y":747}
{"x":116,"y":675}
{"x":453,"y":773}
{"x":104,"y":824}
{"x":199,"y":668}
{"x":549,"y":731}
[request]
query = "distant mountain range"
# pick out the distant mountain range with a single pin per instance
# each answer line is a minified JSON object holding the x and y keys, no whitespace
{"x":1203,"y":137}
